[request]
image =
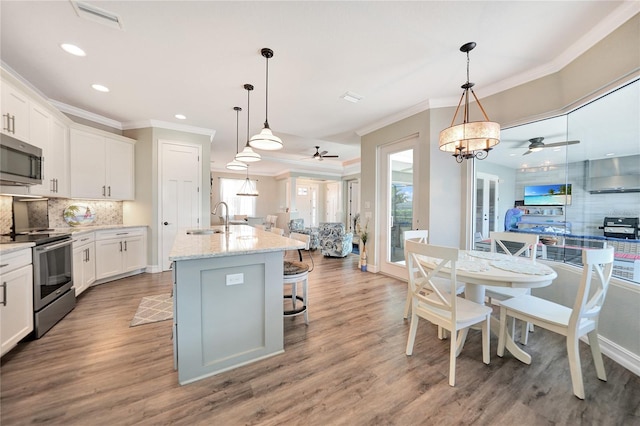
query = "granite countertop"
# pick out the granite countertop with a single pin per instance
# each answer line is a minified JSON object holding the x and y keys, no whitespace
{"x":82,"y":229}
{"x":242,"y":239}
{"x":6,"y":248}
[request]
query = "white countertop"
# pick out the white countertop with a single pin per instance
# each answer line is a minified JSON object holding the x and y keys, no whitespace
{"x":242,"y":239}
{"x":6,"y":248}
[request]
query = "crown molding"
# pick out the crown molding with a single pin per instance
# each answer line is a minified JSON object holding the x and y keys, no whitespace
{"x":78,"y":112}
{"x":169,"y":126}
{"x":393,"y":118}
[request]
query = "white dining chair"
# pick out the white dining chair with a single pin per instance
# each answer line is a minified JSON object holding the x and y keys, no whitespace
{"x":572,"y":323}
{"x":513,"y":244}
{"x":260,"y":226}
{"x":420,"y":235}
{"x":444,"y":309}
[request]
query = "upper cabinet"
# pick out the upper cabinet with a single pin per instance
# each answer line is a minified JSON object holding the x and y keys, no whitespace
{"x":102,"y":165}
{"x":15,"y":112}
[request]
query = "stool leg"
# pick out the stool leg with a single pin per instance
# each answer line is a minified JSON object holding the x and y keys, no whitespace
{"x":294,"y":288}
{"x":305,"y":300}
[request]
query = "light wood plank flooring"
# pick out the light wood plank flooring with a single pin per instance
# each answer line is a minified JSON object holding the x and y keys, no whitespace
{"x":348,"y":367}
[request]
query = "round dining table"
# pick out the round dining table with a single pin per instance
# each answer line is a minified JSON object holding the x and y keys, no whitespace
{"x":477,"y":269}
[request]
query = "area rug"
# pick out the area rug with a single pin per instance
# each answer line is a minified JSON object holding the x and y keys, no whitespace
{"x":153,"y":309}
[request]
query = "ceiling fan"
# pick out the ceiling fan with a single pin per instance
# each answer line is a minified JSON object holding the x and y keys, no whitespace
{"x":536,"y":144}
{"x":321,"y":155}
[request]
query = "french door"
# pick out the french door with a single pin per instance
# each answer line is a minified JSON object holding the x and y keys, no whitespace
{"x":397,"y":206}
{"x":486,"y":208}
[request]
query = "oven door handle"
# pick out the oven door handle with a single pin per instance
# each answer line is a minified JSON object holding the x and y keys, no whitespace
{"x":54,"y":246}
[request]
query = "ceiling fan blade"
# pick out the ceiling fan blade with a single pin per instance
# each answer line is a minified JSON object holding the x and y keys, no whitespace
{"x":323,"y":153}
{"x":550,"y":145}
{"x":528,"y":152}
{"x":329,"y":156}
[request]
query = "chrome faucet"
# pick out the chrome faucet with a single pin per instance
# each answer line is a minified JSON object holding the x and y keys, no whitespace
{"x":226,"y":215}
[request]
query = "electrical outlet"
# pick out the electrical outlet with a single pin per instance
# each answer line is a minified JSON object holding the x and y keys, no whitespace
{"x":234,"y":279}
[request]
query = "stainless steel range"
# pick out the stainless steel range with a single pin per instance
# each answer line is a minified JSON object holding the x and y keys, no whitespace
{"x":53,"y":293}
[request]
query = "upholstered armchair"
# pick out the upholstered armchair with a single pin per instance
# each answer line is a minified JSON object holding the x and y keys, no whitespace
{"x":334,"y":240}
{"x":297,"y":225}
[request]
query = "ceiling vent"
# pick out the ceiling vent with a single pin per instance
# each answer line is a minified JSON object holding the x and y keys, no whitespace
{"x":93,"y":13}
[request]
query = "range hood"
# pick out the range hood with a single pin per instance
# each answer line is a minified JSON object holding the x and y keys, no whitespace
{"x":612,"y":175}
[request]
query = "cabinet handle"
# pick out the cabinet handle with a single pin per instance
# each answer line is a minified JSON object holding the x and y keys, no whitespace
{"x":84,"y":239}
{"x":86,"y":255}
{"x":125,"y":246}
{"x":120,"y":245}
{"x":55,"y":182}
{"x":13,"y":124}
{"x":3,"y":265}
{"x":109,"y":190}
{"x":104,"y":189}
{"x":4,"y":293}
{"x":52,"y":186}
{"x":6,"y":127}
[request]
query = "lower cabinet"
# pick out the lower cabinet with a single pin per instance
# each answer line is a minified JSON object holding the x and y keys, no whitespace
{"x":118,"y":252}
{"x":84,"y":262}
{"x":16,"y":305}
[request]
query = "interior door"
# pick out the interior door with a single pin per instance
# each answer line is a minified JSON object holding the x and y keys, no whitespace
{"x":396,"y":203}
{"x":486,"y":208}
{"x":332,"y":200}
{"x":353,"y":207}
{"x":180,"y":194}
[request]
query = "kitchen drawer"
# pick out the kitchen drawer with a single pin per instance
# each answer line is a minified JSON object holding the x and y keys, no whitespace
{"x":15,"y":260}
{"x":83,"y":239}
{"x":120,"y":233}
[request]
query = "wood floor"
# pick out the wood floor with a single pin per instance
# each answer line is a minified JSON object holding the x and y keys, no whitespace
{"x":348,"y":367}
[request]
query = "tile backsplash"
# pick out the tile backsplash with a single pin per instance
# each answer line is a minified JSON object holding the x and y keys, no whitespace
{"x":6,"y":218}
{"x":106,"y":212}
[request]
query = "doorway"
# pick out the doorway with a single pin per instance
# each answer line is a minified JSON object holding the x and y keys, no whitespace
{"x":397,"y":207}
{"x":180,"y":177}
{"x":486,"y":208}
{"x":353,"y":205}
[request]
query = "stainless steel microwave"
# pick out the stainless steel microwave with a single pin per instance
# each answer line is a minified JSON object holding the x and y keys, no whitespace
{"x":20,"y":162}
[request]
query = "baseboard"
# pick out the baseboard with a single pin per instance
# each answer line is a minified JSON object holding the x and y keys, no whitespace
{"x":617,"y":353}
{"x":154,"y":269}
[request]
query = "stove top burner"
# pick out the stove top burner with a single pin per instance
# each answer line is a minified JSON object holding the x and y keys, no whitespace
{"x":39,"y":237}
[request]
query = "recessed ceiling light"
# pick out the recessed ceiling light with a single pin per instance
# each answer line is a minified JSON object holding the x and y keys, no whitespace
{"x":100,"y":88}
{"x":73,"y":49}
{"x":351,"y":97}
{"x":610,"y":154}
{"x":181,"y":117}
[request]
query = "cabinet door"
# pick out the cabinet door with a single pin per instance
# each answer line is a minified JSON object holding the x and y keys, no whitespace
{"x":39,"y":131}
{"x":79,"y":260}
{"x":108,"y":258}
{"x":119,"y":172}
{"x":16,"y":309}
{"x":90,"y":265}
{"x":59,"y":158}
{"x":15,"y":112}
{"x":135,"y":256}
{"x":88,"y":165}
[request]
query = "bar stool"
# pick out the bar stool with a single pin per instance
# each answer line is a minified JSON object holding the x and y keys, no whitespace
{"x":297,"y":272}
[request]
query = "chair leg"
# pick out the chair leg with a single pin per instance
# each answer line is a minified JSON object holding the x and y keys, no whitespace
{"x":412,"y":333}
{"x":502,"y":334}
{"x":305,"y":301}
{"x":486,"y":358}
{"x":442,"y":333}
{"x":452,"y":358}
{"x":573,"y":353}
{"x":524,"y":337}
{"x":407,"y":304}
{"x":597,"y":355}
{"x":294,"y":288}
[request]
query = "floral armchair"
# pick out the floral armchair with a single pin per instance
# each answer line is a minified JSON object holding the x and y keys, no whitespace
{"x":334,"y":240}
{"x":297,"y":225}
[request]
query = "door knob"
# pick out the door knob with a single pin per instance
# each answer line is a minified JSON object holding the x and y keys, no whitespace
{"x":166,"y":223}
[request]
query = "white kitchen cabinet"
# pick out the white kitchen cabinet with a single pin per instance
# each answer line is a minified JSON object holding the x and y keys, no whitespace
{"x":15,"y":112}
{"x":119,"y":252}
{"x":84,"y":262}
{"x":102,"y":166}
{"x":16,"y":303}
{"x":39,"y":127}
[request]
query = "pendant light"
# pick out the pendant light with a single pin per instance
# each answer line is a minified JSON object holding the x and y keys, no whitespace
{"x":235,"y":164}
{"x":469,"y":139}
{"x":247,"y":189}
{"x":248,"y":155}
{"x":266,"y":140}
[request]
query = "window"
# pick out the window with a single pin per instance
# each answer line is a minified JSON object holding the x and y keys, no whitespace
{"x":237,"y":205}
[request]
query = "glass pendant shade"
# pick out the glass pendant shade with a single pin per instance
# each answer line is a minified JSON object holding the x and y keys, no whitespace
{"x":266,"y":140}
{"x":236,"y":165}
{"x":248,"y":155}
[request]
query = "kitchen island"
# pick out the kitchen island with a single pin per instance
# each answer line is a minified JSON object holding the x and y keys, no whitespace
{"x":227,"y":298}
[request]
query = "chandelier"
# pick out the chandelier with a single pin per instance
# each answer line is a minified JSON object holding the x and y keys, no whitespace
{"x":470,"y":139}
{"x":248,"y":189}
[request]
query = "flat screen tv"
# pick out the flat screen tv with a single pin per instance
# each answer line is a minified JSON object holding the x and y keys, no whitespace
{"x":547,"y":195}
